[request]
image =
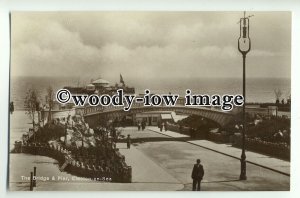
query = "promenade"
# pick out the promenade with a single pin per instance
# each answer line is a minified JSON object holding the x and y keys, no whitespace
{"x":163,"y":165}
{"x":176,"y":158}
{"x":278,"y":165}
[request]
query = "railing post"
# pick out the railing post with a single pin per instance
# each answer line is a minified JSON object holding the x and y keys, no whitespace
{"x":31,"y":181}
{"x":34,"y":176}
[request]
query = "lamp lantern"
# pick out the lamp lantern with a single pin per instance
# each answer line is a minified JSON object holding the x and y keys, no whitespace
{"x":244,"y":42}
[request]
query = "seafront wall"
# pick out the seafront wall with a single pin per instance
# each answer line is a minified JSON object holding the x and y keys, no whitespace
{"x":77,"y":168}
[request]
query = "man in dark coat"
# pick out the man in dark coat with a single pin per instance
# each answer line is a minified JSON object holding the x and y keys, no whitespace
{"x":128,"y":141}
{"x":197,"y":175}
{"x":143,"y":125}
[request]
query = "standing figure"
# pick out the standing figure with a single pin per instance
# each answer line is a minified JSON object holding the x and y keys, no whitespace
{"x":143,"y":125}
{"x":139,"y":125}
{"x":161,"y":126}
{"x":128,"y":141}
{"x":197,"y":175}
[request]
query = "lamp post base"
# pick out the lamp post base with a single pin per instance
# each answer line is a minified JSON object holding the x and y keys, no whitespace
{"x":243,"y":175}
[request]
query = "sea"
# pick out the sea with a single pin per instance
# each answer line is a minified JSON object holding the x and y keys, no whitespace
{"x":258,"y":90}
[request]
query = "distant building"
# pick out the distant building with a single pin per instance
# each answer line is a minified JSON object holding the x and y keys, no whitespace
{"x":152,"y":118}
{"x":91,"y":87}
{"x":78,"y":90}
{"x":102,"y":86}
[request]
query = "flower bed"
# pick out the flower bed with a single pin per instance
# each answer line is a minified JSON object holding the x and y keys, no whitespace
{"x":281,"y":150}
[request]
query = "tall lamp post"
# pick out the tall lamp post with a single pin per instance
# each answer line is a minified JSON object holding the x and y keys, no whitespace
{"x":244,"y":46}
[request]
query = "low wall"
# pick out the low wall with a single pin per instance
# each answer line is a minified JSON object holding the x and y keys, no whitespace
{"x":177,"y":128}
{"x":218,"y":137}
{"x":193,"y":133}
{"x":77,"y":168}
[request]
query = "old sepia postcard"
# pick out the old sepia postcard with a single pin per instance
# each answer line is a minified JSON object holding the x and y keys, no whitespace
{"x":150,"y":101}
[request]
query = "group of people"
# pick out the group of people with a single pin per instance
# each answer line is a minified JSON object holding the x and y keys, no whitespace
{"x":141,"y":125}
{"x":162,"y":126}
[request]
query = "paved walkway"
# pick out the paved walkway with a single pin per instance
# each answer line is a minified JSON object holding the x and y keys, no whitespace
{"x":167,"y":133}
{"x":146,"y":172}
{"x":265,"y":161}
{"x":146,"y":175}
{"x":135,"y":134}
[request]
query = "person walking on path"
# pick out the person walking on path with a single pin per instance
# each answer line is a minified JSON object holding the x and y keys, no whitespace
{"x":139,"y":126}
{"x":197,"y":175}
{"x":143,"y":125}
{"x":128,"y":141}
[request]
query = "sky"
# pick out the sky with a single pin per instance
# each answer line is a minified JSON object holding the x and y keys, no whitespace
{"x":148,"y":45}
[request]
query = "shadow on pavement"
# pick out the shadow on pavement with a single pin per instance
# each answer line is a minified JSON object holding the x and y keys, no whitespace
{"x":153,"y":139}
{"x":222,"y":181}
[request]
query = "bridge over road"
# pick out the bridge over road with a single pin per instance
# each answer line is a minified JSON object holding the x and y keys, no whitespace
{"x":92,"y":114}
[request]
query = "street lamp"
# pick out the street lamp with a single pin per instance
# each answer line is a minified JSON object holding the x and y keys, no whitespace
{"x":244,"y":46}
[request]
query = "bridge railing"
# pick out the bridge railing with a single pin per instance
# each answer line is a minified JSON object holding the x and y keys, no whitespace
{"x":89,"y":110}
